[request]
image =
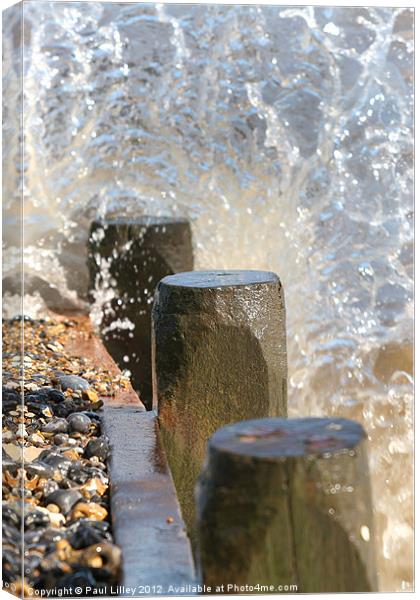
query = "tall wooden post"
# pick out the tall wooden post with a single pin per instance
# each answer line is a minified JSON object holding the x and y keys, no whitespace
{"x":128,"y":257}
{"x":219,"y":355}
{"x":287,"y":502}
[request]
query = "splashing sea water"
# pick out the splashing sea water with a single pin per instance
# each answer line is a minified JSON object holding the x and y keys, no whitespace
{"x":285,"y":135}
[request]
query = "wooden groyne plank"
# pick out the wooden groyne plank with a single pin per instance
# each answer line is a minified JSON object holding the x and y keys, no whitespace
{"x":145,"y":512}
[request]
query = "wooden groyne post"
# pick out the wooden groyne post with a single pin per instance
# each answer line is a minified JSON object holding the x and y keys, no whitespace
{"x":134,"y":254}
{"x":219,"y":356}
{"x":287,"y":502}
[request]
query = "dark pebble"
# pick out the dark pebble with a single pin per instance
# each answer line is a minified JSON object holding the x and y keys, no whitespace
{"x":78,"y":474}
{"x":10,"y":533}
{"x":82,"y":579}
{"x":45,"y":395}
{"x":69,"y":406}
{"x":56,"y":461}
{"x":30,"y":563}
{"x":56,"y":425}
{"x":52,"y":535}
{"x":87,"y":533}
{"x":73,"y":382}
{"x":39,"y":467}
{"x":33,"y":536}
{"x":98,"y":447}
{"x":11,"y":565}
{"x":50,"y":487}
{"x":36,"y":519}
{"x":10,"y":399}
{"x":19,"y":318}
{"x":10,"y":515}
{"x":79,"y":422}
{"x":56,"y":396}
{"x":64,"y":499}
{"x":37,"y":407}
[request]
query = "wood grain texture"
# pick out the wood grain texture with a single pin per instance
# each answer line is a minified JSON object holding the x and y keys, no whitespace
{"x":219,"y":356}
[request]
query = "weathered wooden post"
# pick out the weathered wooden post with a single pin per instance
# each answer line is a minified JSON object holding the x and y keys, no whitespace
{"x":219,"y":356}
{"x":287,"y":502}
{"x":127,"y":258}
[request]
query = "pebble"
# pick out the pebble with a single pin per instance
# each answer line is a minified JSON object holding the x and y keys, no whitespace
{"x":63,"y":482}
{"x":98,"y":447}
{"x":82,"y":580}
{"x":89,"y":510}
{"x":65,"y":499}
{"x":21,"y":431}
{"x":61,"y":438}
{"x":72,"y":382}
{"x":8,"y":436}
{"x":56,"y":425}
{"x":88,"y":532}
{"x":35,"y":438}
{"x":79,"y":422}
{"x":19,"y":453}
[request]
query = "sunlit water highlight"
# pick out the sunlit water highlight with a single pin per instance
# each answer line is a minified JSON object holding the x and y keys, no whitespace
{"x":285,"y":135}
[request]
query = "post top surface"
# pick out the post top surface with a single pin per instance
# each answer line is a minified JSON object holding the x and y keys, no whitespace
{"x":220,"y":278}
{"x":274,"y":438}
{"x":145,"y":221}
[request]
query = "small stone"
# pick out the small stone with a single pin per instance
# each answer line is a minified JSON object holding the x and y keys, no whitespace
{"x":72,"y":382}
{"x":19,"y":454}
{"x":40,"y":468}
{"x":89,"y":511}
{"x":47,"y":486}
{"x":71,"y":454}
{"x":90,"y":395}
{"x":35,"y":438}
{"x":52,"y":535}
{"x":21,"y":431}
{"x":36,"y":518}
{"x":98,"y":447}
{"x":65,"y":499}
{"x":8,"y":436}
{"x":82,"y":580}
{"x":61,"y":438}
{"x":31,"y":453}
{"x":79,"y":422}
{"x":56,"y":519}
{"x":57,"y":461}
{"x":93,"y":486}
{"x":56,"y":425}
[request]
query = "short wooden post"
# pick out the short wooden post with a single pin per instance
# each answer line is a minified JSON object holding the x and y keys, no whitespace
{"x":287,"y":502}
{"x":128,"y":257}
{"x":219,"y":356}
